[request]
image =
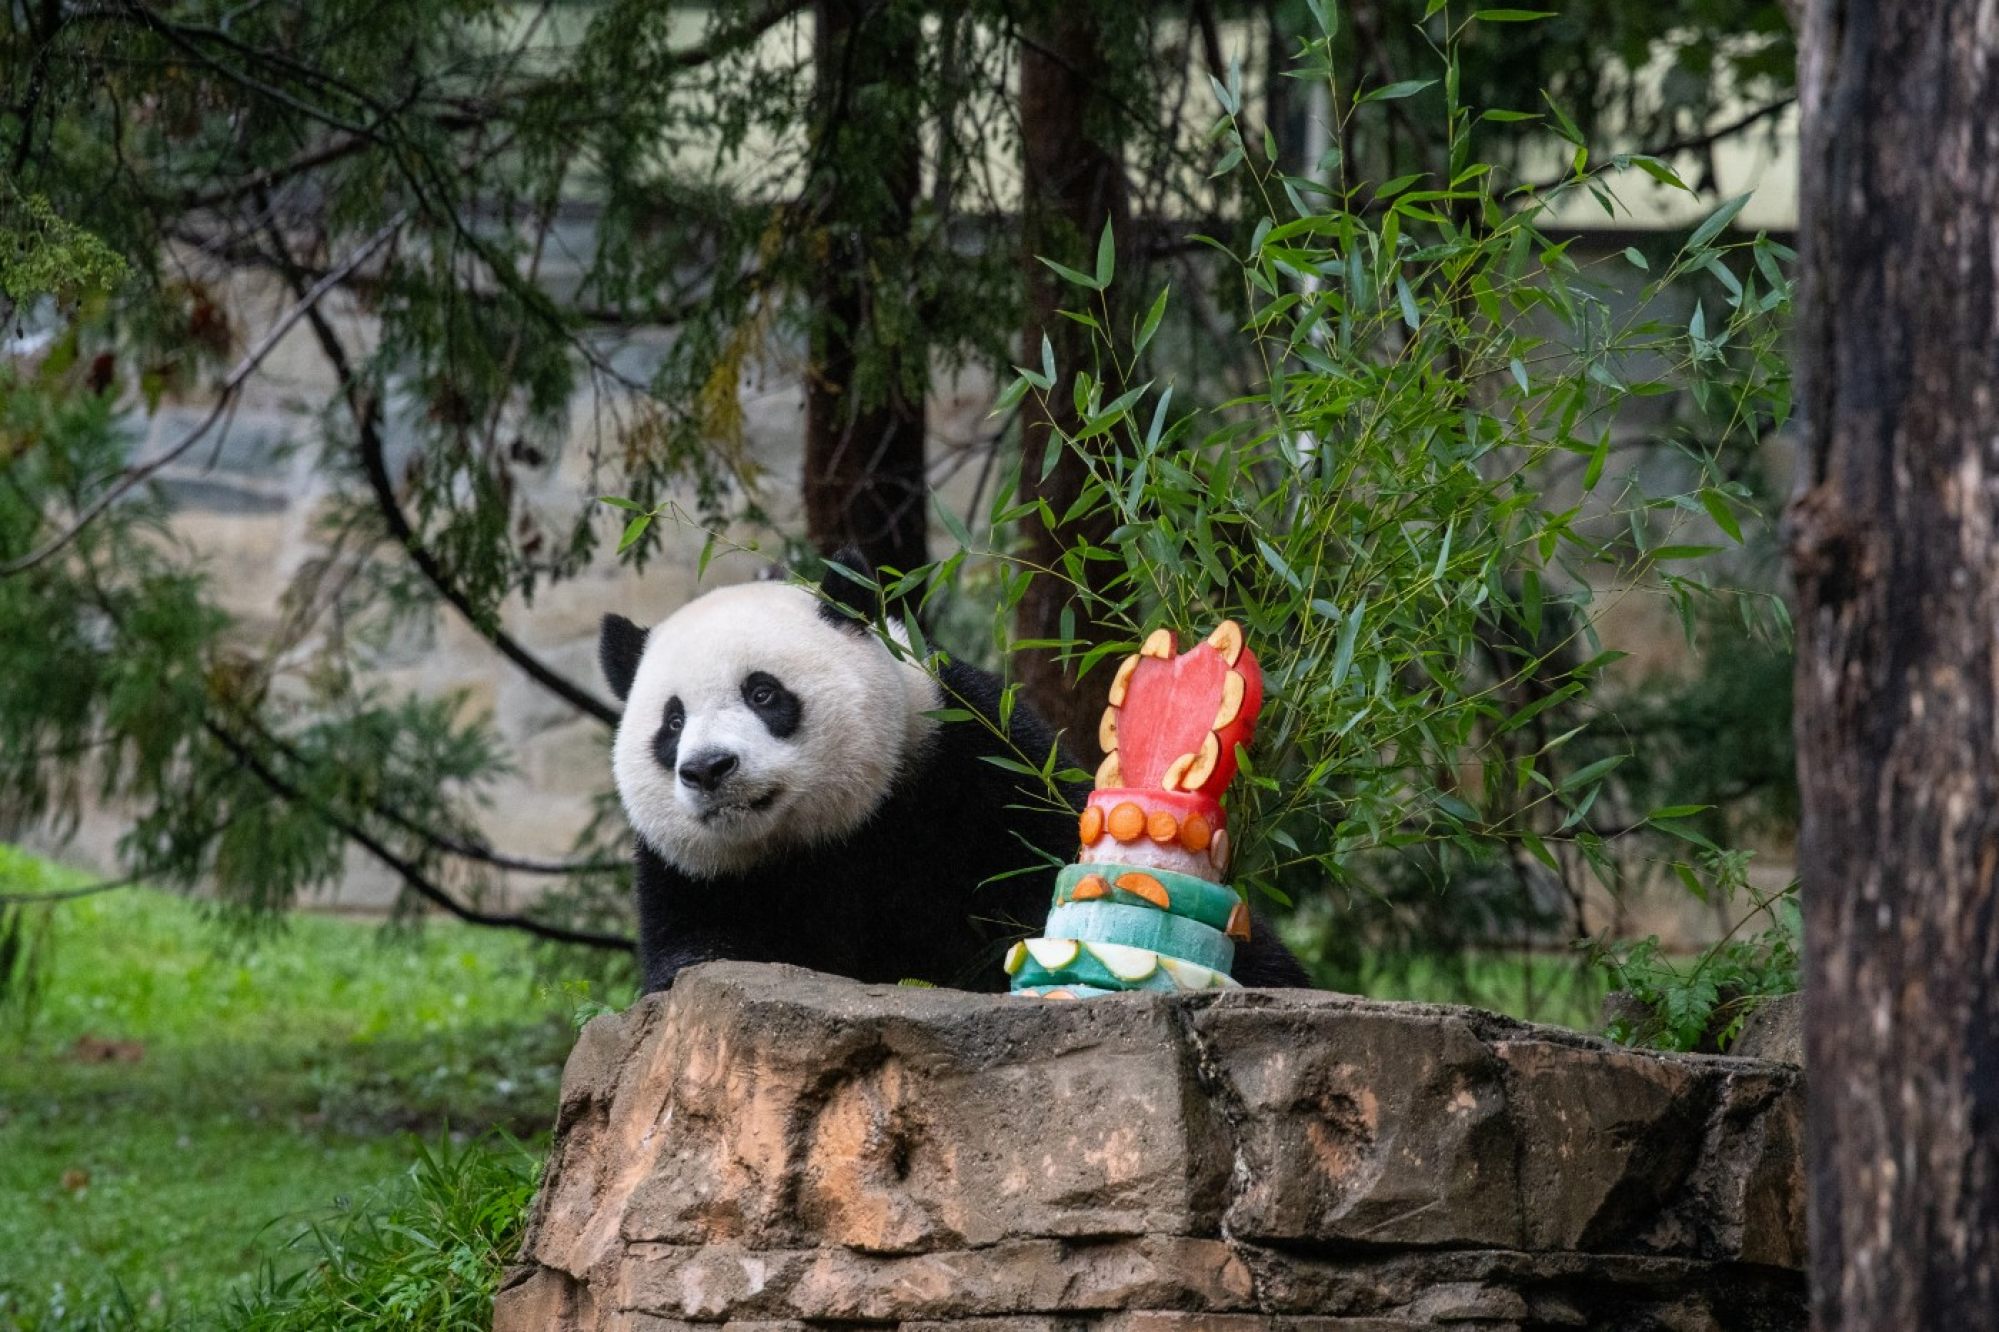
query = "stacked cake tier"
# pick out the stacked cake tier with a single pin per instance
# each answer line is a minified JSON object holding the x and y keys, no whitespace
{"x":1168,"y":830}
{"x":1145,"y":906}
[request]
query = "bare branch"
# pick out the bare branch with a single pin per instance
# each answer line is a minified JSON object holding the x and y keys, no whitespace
{"x":66,"y":894}
{"x":464,"y":848}
{"x":1696,"y":142}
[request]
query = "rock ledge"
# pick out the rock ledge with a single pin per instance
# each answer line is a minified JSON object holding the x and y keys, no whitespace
{"x":767,"y":1146}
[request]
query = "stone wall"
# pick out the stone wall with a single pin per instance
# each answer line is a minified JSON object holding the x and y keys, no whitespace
{"x":765,"y":1147}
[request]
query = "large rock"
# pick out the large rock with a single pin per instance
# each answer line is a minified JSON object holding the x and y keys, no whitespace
{"x":767,"y":1146}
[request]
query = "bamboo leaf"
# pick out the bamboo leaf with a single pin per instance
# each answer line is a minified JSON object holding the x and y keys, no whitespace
{"x":1151,"y":324}
{"x":1349,"y":635}
{"x":952,"y":522}
{"x":1718,"y":219}
{"x":1717,"y":508}
{"x":1070,"y":275}
{"x":1591,"y":773}
{"x":1395,"y":91}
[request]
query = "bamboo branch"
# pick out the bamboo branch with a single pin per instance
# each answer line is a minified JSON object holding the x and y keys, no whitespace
{"x":1694,"y":142}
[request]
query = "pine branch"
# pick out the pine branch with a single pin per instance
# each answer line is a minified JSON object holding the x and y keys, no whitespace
{"x":407,"y":870}
{"x":366,"y":411}
{"x":225,"y":397}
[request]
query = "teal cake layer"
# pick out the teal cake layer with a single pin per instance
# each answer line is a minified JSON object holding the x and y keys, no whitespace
{"x":1064,"y":991}
{"x":1142,"y":927}
{"x":1212,"y":904}
{"x":1068,"y":962}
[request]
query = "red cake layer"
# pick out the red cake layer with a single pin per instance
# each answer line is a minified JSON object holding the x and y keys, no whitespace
{"x":1175,"y":718}
{"x":1189,"y":824}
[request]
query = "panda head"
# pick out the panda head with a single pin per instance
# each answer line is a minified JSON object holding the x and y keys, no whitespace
{"x":759,"y":718}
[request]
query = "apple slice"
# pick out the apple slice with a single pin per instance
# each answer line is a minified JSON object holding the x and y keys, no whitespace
{"x":1123,"y":680}
{"x":1126,"y":963}
{"x":1052,"y":954}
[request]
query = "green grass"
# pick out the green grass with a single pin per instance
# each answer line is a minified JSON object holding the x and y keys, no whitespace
{"x":253,"y":1088}
{"x":1558,"y":988}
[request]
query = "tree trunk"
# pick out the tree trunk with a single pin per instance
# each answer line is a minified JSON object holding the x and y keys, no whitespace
{"x":1893,"y":548}
{"x":864,"y":482}
{"x":1072,"y":182}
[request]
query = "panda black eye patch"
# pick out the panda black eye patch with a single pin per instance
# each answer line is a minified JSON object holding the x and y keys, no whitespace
{"x":776,"y":706}
{"x":666,"y":743}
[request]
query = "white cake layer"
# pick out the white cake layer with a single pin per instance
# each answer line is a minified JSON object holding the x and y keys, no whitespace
{"x":1144,"y":853}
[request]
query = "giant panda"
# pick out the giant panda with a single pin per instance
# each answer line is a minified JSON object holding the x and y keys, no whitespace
{"x":794,"y":799}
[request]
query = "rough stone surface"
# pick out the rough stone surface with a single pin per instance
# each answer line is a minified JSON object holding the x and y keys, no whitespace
{"x":1775,"y":1030}
{"x":765,"y":1148}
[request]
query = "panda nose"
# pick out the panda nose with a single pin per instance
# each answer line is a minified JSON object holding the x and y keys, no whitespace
{"x":705,"y":771}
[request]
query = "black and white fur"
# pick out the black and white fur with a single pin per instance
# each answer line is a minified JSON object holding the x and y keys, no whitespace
{"x":794,"y":803}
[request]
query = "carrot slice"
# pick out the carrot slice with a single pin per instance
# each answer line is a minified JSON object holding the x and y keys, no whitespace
{"x":1127,"y":821}
{"x":1239,"y":922}
{"x":1194,"y":833}
{"x":1147,"y":887}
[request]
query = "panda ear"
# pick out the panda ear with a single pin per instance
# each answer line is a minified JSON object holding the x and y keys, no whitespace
{"x":620,"y":644}
{"x":848,"y":595}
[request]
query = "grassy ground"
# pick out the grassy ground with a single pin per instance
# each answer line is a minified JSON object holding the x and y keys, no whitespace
{"x":180,"y":1107}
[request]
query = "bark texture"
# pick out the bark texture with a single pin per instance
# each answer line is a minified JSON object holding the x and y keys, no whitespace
{"x":1897,"y":571}
{"x":1073,"y":181}
{"x":864,"y":395}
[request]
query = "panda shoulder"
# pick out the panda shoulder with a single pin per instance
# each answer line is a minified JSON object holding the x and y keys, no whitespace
{"x":979,"y":691}
{"x":969,"y":687}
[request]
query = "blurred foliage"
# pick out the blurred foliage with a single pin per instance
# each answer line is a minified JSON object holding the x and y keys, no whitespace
{"x":41,"y":255}
{"x":424,"y":1251}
